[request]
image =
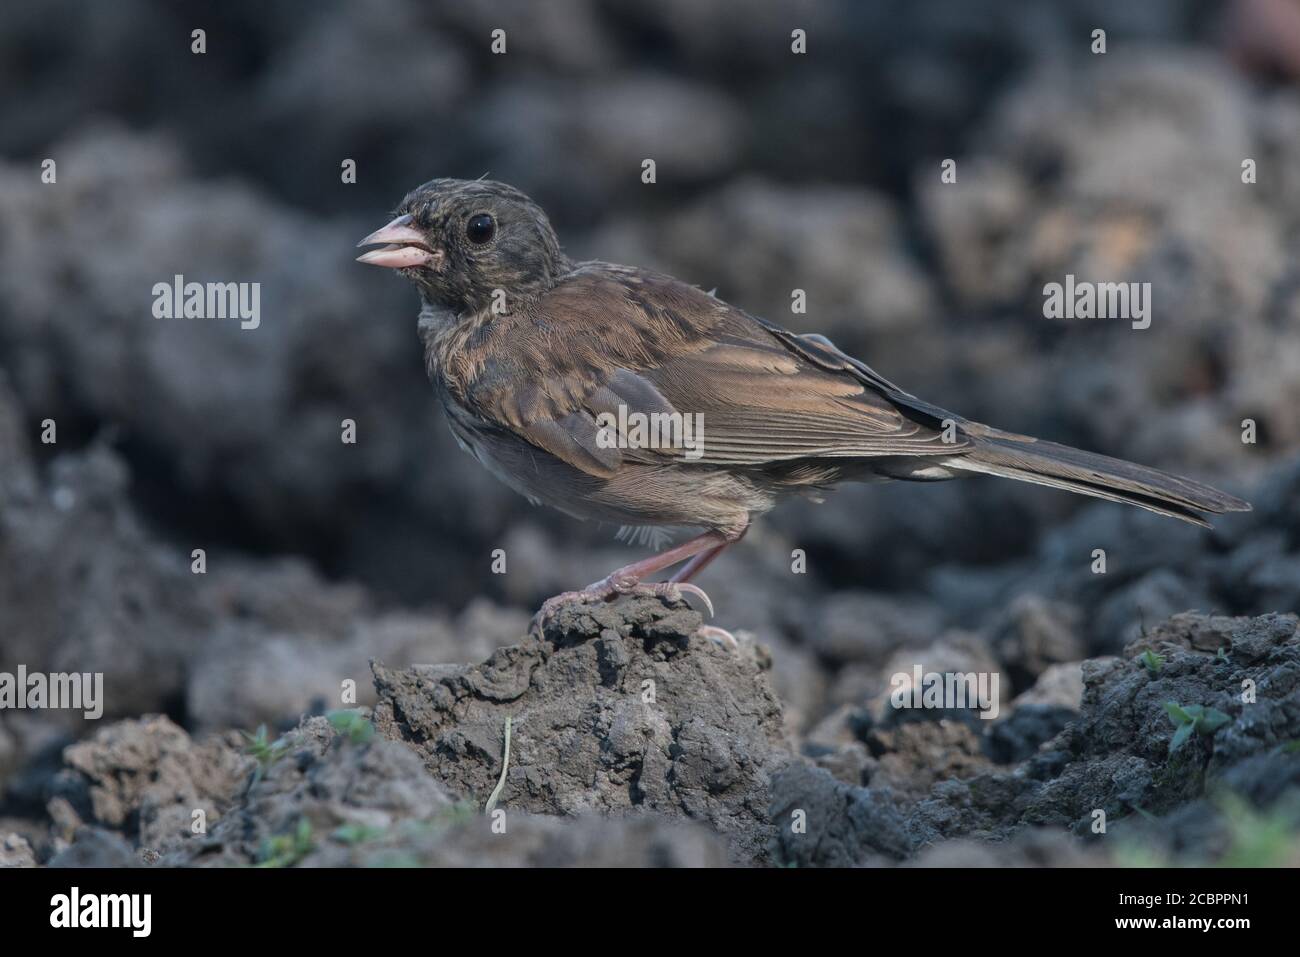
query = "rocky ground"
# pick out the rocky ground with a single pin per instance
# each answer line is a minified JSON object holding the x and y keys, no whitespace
{"x":333,"y":568}
{"x":635,"y":740}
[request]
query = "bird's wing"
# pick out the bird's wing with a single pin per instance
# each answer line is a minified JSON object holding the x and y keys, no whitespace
{"x":611,"y":340}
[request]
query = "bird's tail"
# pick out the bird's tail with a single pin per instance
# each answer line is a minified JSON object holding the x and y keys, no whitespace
{"x":1026,"y":459}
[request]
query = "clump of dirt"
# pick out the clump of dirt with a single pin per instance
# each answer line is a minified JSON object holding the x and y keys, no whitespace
{"x":619,"y":707}
{"x":146,"y":779}
{"x":349,"y":799}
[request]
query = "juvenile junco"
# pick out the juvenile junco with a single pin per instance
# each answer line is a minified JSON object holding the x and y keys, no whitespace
{"x":623,"y":395}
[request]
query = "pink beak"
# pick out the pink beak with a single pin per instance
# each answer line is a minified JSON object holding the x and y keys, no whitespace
{"x":405,"y":247}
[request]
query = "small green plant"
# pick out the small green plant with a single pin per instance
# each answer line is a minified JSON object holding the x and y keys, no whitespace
{"x":1193,"y":717}
{"x":1221,"y":655}
{"x":1255,"y":838}
{"x":264,"y":751}
{"x":352,"y":724}
{"x":1152,"y":661}
{"x":357,"y":833}
{"x":1145,"y":813}
{"x":1258,"y":838}
{"x":1131,"y":855}
{"x":438,"y":823}
{"x":286,"y":850}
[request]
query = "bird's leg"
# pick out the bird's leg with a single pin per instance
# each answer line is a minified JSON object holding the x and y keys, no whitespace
{"x":629,"y":577}
{"x":698,"y":563}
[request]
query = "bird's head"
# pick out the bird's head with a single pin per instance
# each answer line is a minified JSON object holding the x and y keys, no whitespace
{"x":460,"y":241}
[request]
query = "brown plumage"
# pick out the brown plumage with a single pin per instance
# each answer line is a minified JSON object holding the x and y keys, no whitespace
{"x":529,"y":351}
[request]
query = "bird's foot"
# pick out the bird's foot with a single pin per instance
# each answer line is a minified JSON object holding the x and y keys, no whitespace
{"x":607,"y":589}
{"x":556,"y":602}
{"x":616,"y":584}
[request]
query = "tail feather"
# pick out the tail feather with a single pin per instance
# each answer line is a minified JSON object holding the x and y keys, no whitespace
{"x":1059,"y":466}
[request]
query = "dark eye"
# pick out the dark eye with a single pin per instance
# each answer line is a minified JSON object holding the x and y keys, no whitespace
{"x":480,"y":228}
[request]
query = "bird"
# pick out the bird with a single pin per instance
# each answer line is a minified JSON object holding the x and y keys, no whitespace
{"x":620,"y":394}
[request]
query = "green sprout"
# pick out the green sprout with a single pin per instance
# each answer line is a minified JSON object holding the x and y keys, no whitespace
{"x":438,"y":823}
{"x":1193,"y":717}
{"x":264,"y":751}
{"x":1152,"y":661}
{"x":1255,"y":838}
{"x":1131,"y":855}
{"x":357,"y":833}
{"x":353,"y":724}
{"x":1258,"y":838}
{"x":286,"y":850}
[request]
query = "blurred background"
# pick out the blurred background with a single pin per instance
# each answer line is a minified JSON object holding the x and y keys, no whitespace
{"x":775,"y":171}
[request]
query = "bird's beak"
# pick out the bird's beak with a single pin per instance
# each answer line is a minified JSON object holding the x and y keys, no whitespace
{"x":404,"y":247}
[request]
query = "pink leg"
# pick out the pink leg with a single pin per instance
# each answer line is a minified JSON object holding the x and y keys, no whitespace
{"x":693,"y":568}
{"x":631,"y":575}
{"x":698,"y":563}
{"x":689,"y":571}
{"x":705,"y":559}
{"x":700,"y":550}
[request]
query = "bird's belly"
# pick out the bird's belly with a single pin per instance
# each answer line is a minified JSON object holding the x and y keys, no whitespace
{"x":638,"y":494}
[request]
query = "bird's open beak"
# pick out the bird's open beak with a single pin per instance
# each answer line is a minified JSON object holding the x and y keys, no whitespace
{"x":404,"y":246}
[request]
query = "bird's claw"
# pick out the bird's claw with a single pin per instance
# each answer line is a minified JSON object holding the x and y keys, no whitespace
{"x":719,"y":635}
{"x":673,"y":592}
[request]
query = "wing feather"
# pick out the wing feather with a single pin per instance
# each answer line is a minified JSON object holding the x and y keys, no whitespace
{"x":610,"y":338}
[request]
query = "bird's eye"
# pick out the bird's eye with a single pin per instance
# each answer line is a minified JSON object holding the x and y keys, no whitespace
{"x":480,"y":228}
